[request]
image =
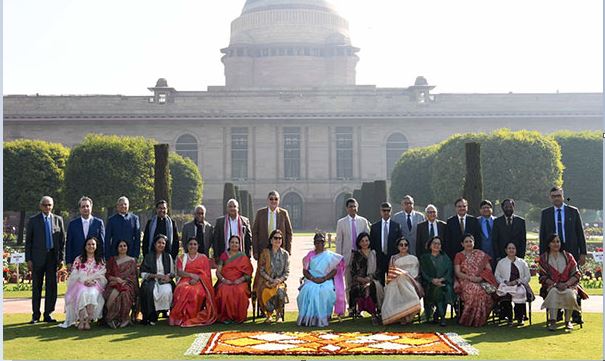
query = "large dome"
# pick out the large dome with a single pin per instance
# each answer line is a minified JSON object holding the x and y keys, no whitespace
{"x":259,"y":5}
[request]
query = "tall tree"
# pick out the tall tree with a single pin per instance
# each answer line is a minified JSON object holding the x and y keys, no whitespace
{"x":161,"y":184}
{"x":473,"y":182}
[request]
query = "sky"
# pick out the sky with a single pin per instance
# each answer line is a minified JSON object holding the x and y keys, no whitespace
{"x":463,"y":46}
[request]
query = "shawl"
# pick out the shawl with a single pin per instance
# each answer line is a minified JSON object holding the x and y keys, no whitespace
{"x":153,"y":225}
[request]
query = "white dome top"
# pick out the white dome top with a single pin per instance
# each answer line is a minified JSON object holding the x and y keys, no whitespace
{"x":258,"y":5}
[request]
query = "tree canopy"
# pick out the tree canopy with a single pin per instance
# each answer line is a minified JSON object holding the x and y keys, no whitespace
{"x":187,"y":183}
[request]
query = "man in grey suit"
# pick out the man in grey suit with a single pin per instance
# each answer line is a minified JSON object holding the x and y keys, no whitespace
{"x":200,"y":229}
{"x":408,"y":219}
{"x":44,"y":248}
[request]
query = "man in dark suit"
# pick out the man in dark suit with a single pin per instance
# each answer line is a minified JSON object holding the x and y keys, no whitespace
{"x":229,"y":225}
{"x":199,"y":228}
{"x":266,"y":221}
{"x":428,"y":229}
{"x":44,"y":247}
{"x":161,"y":223}
{"x":459,"y":225}
{"x":384,"y":235}
{"x":80,"y":228}
{"x":509,"y":228}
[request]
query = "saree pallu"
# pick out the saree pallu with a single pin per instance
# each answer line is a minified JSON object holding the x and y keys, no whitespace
{"x":317,"y":301}
{"x":120,"y":298}
{"x":193,"y":305}
{"x":402,"y":293}
{"x":232,"y":300}
{"x":477,"y":302}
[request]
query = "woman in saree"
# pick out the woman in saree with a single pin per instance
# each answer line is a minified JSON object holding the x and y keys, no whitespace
{"x":403,"y":292}
{"x":193,"y":302}
{"x":84,"y":297}
{"x":323,"y":290}
{"x":272,"y":273}
{"x":234,"y":272}
{"x":366,"y":291}
{"x":157,"y":271}
{"x":122,"y":288}
{"x":437,"y":280}
{"x":475,"y":283}
{"x":559,"y":277}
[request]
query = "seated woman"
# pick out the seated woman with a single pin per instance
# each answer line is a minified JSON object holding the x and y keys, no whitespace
{"x":272,"y":273}
{"x":475,"y":283}
{"x":194,"y":295}
{"x":157,"y":271}
{"x":84,"y":297}
{"x":403,"y":292}
{"x":559,"y":277}
{"x":512,"y":275}
{"x":437,"y":280}
{"x":366,"y":291}
{"x":323,"y":289}
{"x":234,"y":272}
{"x":122,"y":288}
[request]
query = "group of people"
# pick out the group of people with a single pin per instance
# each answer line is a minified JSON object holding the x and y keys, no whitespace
{"x":385,"y":269}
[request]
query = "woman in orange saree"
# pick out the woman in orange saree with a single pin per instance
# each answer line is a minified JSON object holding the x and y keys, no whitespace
{"x":234,"y":272}
{"x":193,"y":303}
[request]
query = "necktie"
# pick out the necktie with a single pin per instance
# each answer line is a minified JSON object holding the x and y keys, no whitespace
{"x":509,"y":221}
{"x":409,"y":223}
{"x":432,"y":231}
{"x":271,"y":222}
{"x":560,"y":225}
{"x":49,"y":236}
{"x":462,"y":225}
{"x":385,"y":237}
{"x":488,"y":227}
{"x":353,"y":233}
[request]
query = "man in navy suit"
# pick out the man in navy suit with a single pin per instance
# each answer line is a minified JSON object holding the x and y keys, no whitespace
{"x":384,"y":235}
{"x":80,"y":228}
{"x":459,"y":225}
{"x":44,"y":243}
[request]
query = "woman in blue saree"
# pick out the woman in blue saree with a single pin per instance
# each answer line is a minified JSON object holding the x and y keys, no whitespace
{"x":323,"y":289}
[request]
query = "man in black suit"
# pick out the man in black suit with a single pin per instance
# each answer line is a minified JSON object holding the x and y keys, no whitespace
{"x":44,"y":247}
{"x":229,"y":225}
{"x":509,"y":228}
{"x":383,"y":239}
{"x":457,"y":226}
{"x":428,"y":229}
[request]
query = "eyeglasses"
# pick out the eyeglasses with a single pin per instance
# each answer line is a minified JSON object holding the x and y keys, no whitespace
{"x":47,"y":204}
{"x":385,"y":210}
{"x":431,"y":212}
{"x":200,"y":213}
{"x":274,"y":199}
{"x":277,"y":237}
{"x":402,"y":245}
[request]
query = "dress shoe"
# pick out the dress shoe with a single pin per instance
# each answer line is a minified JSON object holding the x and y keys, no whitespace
{"x":49,"y":319}
{"x":34,"y":321}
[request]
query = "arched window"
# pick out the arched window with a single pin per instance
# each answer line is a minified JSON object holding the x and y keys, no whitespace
{"x":396,"y":145}
{"x":293,"y":203}
{"x":186,"y":146}
{"x":339,"y":206}
{"x":239,"y":153}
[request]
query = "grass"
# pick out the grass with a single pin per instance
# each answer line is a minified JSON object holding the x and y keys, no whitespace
{"x":8,"y":293}
{"x":165,"y":342}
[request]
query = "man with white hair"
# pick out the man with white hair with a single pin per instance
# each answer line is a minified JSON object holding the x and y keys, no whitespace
{"x":229,"y":225}
{"x":123,"y":225}
{"x":200,"y":229}
{"x":428,"y":229}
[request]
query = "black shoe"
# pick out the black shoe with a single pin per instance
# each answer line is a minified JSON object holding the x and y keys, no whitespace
{"x":49,"y":319}
{"x":34,"y":321}
{"x":442,"y":323}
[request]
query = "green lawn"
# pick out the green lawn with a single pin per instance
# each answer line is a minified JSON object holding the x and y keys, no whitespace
{"x":9,"y":293}
{"x":164,"y":342}
{"x":535,"y":286}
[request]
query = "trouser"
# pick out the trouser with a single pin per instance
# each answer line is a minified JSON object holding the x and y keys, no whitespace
{"x":507,"y":311}
{"x":41,"y":272}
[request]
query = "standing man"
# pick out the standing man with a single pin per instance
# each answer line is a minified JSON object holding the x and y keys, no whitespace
{"x":347,"y":230}
{"x":428,"y":229}
{"x":266,"y":221}
{"x":161,"y":223}
{"x":123,"y":226}
{"x":80,"y":228}
{"x":44,"y":243}
{"x":509,"y":227}
{"x":199,"y":228}
{"x":228,"y":225}
{"x":459,"y":225}
{"x":383,"y":239}
{"x":486,"y":222}
{"x":408,"y":219}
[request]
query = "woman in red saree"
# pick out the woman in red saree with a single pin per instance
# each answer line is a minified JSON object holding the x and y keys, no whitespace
{"x":234,"y":272}
{"x":122,"y":289}
{"x":475,"y":283}
{"x":193,"y":302}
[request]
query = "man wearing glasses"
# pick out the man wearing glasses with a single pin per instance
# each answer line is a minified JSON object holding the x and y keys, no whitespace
{"x":383,"y":239}
{"x":267,"y":220}
{"x":44,"y":247}
{"x":199,"y":228}
{"x":428,"y":229}
{"x":408,"y":219}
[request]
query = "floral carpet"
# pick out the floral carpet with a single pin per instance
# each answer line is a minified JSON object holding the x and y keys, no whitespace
{"x":318,"y":343}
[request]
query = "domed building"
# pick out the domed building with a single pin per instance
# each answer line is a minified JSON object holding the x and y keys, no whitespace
{"x":291,"y":116}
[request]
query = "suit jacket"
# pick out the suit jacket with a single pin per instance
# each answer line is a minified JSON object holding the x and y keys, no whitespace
{"x":575,"y":241}
{"x":343,"y":234}
{"x":190,"y":230}
{"x":171,"y":247}
{"x":35,"y":239}
{"x":76,"y":237}
{"x":260,"y":230}
{"x":410,"y":235}
{"x":503,"y":233}
{"x":490,"y":238}
{"x":382,"y":259}
{"x":219,"y":237}
{"x":453,"y":235}
{"x":422,"y":235}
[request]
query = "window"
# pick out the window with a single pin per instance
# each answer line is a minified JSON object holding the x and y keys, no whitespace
{"x":294,"y":204}
{"x":239,"y":153}
{"x":396,"y":145}
{"x":292,"y":152}
{"x":186,"y":145}
{"x":344,"y":152}
{"x":162,"y":98}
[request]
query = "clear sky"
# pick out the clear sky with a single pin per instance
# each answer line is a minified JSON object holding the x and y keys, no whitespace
{"x":461,"y":46}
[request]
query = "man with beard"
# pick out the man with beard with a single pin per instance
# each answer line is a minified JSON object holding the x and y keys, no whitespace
{"x":509,"y":227}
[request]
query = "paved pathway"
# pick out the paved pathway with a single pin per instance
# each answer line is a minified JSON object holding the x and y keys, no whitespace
{"x":300,"y":247}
